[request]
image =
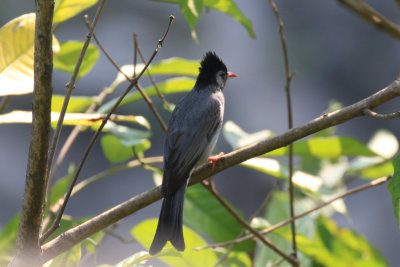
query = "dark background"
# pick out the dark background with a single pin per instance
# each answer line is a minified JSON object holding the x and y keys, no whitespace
{"x":335,"y":54}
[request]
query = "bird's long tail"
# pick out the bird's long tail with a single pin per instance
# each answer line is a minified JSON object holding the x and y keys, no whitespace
{"x":170,"y":223}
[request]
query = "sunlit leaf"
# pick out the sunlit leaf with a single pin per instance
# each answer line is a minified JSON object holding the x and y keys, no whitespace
{"x":204,"y":214}
{"x":116,"y":152}
{"x":71,"y":118}
{"x":384,"y":143}
{"x":226,"y":6}
{"x":169,"y":86}
{"x":394,"y":188}
{"x":65,"y":9}
{"x":236,"y":137}
{"x":75,"y":104}
{"x":68,"y":56}
{"x":16,"y":55}
{"x":144,"y":233}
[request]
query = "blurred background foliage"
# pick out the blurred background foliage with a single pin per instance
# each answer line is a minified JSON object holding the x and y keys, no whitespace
{"x":338,"y":59}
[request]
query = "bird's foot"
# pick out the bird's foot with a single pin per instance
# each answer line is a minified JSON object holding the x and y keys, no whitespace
{"x":215,"y":159}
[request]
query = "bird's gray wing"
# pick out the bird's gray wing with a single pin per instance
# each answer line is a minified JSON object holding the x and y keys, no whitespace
{"x":188,"y":144}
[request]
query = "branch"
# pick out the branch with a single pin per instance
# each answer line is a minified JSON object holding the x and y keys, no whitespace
{"x":373,"y":183}
{"x":372,"y":16}
{"x":101,"y":221}
{"x":210,"y":186}
{"x":133,"y":83}
{"x":28,"y":249}
{"x":290,"y":123}
{"x":140,"y":89}
{"x":372,"y":114}
{"x":71,"y":87}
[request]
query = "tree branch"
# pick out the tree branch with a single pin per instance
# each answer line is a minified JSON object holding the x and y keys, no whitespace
{"x":290,"y":124}
{"x":379,"y":116}
{"x":28,"y":248}
{"x":101,"y":221}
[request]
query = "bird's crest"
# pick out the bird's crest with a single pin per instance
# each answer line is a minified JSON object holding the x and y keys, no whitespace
{"x":209,"y":66}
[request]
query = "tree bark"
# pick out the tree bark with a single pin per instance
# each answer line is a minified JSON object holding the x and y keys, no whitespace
{"x":28,"y":249}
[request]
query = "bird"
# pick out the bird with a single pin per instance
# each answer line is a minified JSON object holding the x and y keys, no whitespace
{"x":193,"y":131}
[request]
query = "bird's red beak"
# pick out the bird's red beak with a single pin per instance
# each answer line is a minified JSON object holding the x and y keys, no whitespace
{"x":231,"y":74}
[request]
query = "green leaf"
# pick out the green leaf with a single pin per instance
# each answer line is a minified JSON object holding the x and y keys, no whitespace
{"x":115,"y":151}
{"x":76,"y":103}
{"x":335,"y":246}
{"x":8,"y":237}
{"x":235,"y":259}
{"x":65,"y":9}
{"x":59,"y":189}
{"x":69,"y":258}
{"x":204,"y":214}
{"x":191,"y":10}
{"x":225,"y":6}
{"x":280,"y":170}
{"x":144,"y":233}
{"x":169,"y":86}
{"x":68,"y":56}
{"x":326,"y":147}
{"x":394,"y":188}
{"x":16,"y":55}
{"x":140,"y":258}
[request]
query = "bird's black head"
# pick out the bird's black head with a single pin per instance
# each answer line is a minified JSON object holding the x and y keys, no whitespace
{"x":212,"y":71}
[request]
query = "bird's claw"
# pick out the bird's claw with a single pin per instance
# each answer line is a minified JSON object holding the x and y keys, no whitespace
{"x":215,"y":159}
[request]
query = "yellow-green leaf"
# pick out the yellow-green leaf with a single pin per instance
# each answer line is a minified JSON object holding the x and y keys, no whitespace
{"x":16,"y":55}
{"x":75,"y":104}
{"x":144,"y":233}
{"x":68,"y":56}
{"x":65,"y":9}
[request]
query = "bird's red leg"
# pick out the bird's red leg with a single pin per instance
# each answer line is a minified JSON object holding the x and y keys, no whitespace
{"x":215,"y":159}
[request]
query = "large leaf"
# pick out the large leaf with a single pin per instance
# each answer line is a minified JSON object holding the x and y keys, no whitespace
{"x":226,"y":6}
{"x":76,"y":103}
{"x":16,"y":55}
{"x":170,"y":86}
{"x":144,"y":232}
{"x":65,"y":9}
{"x":335,"y":246}
{"x":204,"y":214}
{"x":115,"y":151}
{"x":59,"y":189}
{"x":68,"y":56}
{"x":394,"y":188}
{"x":191,"y":10}
{"x":69,"y":258}
{"x":71,"y":118}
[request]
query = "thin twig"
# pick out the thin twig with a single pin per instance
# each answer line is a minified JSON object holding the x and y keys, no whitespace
{"x":137,"y":85}
{"x":373,"y":183}
{"x":368,"y":112}
{"x":372,"y":16}
{"x":290,"y":121}
{"x":165,"y":102}
{"x":76,"y":234}
{"x":4,"y":103}
{"x":133,"y":83}
{"x":210,"y":186}
{"x":70,"y":88}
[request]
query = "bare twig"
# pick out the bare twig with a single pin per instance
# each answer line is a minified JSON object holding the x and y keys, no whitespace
{"x":368,"y":112}
{"x":165,"y":102}
{"x":4,"y":103}
{"x":101,"y":221}
{"x":372,"y":16}
{"x":133,"y":83}
{"x":290,"y":121}
{"x":373,"y":183}
{"x":28,"y":249}
{"x":70,"y":88}
{"x":210,"y":186}
{"x":137,"y":85}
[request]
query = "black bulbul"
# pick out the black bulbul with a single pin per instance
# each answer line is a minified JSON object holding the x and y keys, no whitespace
{"x":193,"y":131}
